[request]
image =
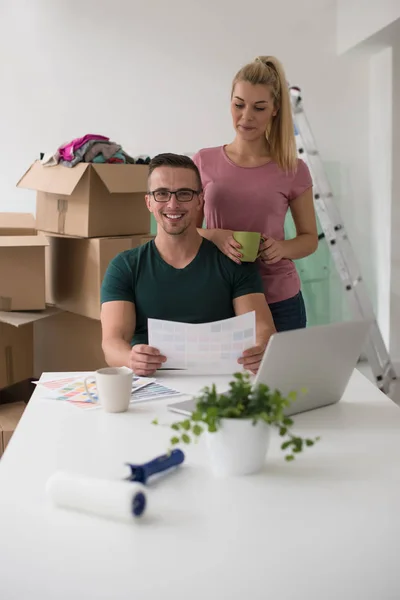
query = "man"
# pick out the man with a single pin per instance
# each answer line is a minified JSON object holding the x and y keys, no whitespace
{"x":179,"y":276}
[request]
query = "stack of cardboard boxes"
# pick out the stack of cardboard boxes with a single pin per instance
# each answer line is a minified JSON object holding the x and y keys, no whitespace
{"x":85,"y":215}
{"x":22,"y":287}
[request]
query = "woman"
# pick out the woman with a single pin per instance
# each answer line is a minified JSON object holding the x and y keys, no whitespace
{"x":250,"y":183}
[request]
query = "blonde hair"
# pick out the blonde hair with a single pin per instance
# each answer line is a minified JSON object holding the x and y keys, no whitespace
{"x":267,"y":70}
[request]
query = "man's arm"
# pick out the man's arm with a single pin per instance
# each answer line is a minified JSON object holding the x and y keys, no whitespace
{"x":264,"y":322}
{"x":265,"y":327}
{"x":118,"y":321}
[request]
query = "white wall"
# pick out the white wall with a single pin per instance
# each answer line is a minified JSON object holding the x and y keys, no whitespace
{"x":380,"y":174}
{"x":395,"y":212}
{"x":155,"y":76}
{"x":152,"y":75}
{"x":360,"y":19}
{"x":373,"y":30}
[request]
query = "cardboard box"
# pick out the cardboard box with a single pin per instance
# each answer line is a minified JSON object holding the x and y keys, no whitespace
{"x":18,"y":392}
{"x":67,"y":342}
{"x":17,"y":224}
{"x":16,"y":345}
{"x":16,"y":353}
{"x":22,"y":272}
{"x":10,"y":415}
{"x":89,"y":200}
{"x":147,"y":238}
{"x":76,"y":268}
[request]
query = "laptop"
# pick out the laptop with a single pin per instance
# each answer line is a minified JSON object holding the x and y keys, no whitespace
{"x":319,"y":358}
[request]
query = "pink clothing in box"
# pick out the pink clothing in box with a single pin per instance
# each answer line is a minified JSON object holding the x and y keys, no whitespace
{"x":67,"y":151}
{"x":253,"y":199}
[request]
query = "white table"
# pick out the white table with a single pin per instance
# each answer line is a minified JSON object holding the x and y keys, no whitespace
{"x":325,"y":527}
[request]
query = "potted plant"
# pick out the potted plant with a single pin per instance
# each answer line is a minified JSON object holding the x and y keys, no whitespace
{"x":238,"y":424}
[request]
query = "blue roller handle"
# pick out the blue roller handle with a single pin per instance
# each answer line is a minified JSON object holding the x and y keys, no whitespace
{"x":141,"y":473}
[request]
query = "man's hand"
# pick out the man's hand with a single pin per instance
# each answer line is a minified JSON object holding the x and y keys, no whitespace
{"x":145,"y":360}
{"x":251,"y":358}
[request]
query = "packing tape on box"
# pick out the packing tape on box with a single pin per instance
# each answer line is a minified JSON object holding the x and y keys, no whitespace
{"x":62,"y":208}
{"x":8,"y":351}
{"x":115,"y":500}
{"x":5,"y":303}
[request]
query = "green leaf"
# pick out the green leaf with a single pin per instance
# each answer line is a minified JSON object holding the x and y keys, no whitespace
{"x":289,"y":457}
{"x":197,"y":430}
{"x":242,"y":401}
{"x":154,"y":422}
{"x":212,"y":411}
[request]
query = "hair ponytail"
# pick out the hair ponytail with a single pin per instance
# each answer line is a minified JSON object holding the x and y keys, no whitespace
{"x":267,"y":70}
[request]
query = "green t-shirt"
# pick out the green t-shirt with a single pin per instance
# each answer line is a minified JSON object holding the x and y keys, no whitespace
{"x":201,"y":292}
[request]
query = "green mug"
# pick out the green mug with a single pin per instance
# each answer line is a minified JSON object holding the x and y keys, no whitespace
{"x":250,"y":242}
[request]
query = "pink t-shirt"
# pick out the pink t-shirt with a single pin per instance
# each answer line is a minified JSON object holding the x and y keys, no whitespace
{"x":253,"y":199}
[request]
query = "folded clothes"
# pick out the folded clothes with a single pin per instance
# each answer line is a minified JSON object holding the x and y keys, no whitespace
{"x":128,"y":159}
{"x":107,"y":149}
{"x":91,"y":148}
{"x":67,"y":151}
{"x":50,"y":160}
{"x":79,"y":154}
{"x":117,"y":158}
{"x":142,"y":160}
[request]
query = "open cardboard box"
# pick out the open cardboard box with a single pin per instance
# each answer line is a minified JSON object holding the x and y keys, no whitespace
{"x":75,"y":269}
{"x":16,"y":344}
{"x":17,"y":224}
{"x":89,"y":200}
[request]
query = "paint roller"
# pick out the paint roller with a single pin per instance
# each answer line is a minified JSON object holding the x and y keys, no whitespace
{"x":124,"y":500}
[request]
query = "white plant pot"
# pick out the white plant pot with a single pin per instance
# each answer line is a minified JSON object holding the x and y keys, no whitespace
{"x":238,"y":447}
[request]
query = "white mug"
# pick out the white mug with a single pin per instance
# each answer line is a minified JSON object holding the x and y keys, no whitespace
{"x":114,"y":388}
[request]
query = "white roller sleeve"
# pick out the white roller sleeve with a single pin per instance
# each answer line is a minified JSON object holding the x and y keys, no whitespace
{"x":117,"y":500}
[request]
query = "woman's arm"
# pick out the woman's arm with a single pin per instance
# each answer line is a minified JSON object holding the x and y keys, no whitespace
{"x":306,"y":241}
{"x":222,"y":238}
{"x":205,"y":233}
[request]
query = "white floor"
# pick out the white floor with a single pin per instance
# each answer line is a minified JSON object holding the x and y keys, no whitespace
{"x":365,"y":369}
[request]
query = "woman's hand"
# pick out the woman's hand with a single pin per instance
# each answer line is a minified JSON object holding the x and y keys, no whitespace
{"x":271,"y":251}
{"x":226,"y":243}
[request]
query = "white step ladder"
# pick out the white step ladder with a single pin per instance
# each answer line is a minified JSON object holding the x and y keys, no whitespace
{"x":340,"y":247}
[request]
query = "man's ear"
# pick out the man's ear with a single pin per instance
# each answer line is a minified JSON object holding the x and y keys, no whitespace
{"x":148,"y":202}
{"x":200,"y":198}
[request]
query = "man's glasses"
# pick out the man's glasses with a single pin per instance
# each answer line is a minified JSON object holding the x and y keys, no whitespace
{"x":182,"y":195}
